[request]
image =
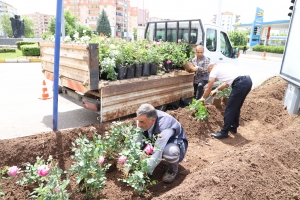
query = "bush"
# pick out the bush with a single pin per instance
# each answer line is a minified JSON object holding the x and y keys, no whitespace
{"x":30,"y":50}
{"x":7,"y":50}
{"x":271,"y":49}
{"x":20,"y":43}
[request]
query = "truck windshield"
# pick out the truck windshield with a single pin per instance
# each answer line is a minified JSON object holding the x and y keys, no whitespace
{"x":225,"y":45}
{"x":190,"y":31}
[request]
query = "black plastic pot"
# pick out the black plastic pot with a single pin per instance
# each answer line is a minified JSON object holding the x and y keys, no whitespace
{"x":103,"y":76}
{"x":168,"y":67}
{"x":130,"y":71}
{"x":121,"y":71}
{"x":153,"y":69}
{"x":138,"y":70}
{"x":146,"y":69}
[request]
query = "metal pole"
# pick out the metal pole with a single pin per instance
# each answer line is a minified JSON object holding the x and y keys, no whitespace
{"x":63,"y":23}
{"x":127,"y":23}
{"x":56,"y":61}
{"x":219,"y":12}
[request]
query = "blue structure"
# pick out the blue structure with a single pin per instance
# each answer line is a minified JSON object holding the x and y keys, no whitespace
{"x":256,"y":27}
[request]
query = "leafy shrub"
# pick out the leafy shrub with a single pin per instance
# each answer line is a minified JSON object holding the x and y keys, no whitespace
{"x":201,"y":111}
{"x":30,"y":50}
{"x":7,"y":50}
{"x":271,"y":49}
{"x":20,"y":43}
{"x":225,"y":92}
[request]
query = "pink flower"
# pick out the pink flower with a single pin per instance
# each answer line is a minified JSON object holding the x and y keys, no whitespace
{"x":146,"y":46}
{"x":148,"y":149}
{"x":43,"y":170}
{"x":12,"y":171}
{"x":158,"y":43}
{"x":171,"y":51}
{"x":169,"y":62}
{"x":122,"y":159}
{"x":57,"y":189}
{"x":179,"y":40}
{"x":92,"y":129}
{"x":101,"y":160}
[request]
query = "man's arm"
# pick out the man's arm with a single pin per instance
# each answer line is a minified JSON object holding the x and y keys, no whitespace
{"x":209,"y":87}
{"x":159,"y":146}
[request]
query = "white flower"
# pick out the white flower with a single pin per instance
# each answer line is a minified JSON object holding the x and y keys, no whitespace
{"x":67,"y":39}
{"x":84,"y":31}
{"x":112,"y":46}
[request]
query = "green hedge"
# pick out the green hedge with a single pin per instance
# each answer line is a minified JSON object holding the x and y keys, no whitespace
{"x":30,"y":50}
{"x":7,"y":50}
{"x":20,"y":43}
{"x":271,"y":49}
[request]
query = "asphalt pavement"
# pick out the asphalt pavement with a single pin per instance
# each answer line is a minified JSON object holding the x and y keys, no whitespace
{"x":23,"y":113}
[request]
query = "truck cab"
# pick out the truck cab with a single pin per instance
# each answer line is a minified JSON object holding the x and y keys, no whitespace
{"x":214,"y":39}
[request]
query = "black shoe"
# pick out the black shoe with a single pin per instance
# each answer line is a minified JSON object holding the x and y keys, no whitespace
{"x":219,"y":135}
{"x":233,"y":129}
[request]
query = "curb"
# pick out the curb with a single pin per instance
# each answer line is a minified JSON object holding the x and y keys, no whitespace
{"x":20,"y":60}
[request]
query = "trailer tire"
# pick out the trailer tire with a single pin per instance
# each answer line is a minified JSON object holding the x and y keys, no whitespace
{"x":162,"y":107}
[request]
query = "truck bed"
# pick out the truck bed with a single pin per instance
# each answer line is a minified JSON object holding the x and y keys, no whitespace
{"x":79,"y":73}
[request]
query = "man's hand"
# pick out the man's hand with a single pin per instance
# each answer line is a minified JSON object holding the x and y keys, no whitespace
{"x":202,"y":100}
{"x":214,"y":92}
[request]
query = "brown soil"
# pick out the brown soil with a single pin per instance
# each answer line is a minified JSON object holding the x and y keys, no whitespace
{"x":261,"y":161}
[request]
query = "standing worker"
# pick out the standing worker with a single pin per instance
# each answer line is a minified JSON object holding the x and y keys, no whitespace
{"x":201,"y":74}
{"x":244,"y":50}
{"x":168,"y":135}
{"x":241,"y":85}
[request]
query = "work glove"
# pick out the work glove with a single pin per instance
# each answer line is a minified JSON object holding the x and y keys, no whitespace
{"x":214,"y":92}
{"x":202,"y":100}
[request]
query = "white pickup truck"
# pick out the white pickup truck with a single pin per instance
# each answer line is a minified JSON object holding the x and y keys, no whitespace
{"x":217,"y":45}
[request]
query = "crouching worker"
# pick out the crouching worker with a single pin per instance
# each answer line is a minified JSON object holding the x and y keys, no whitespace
{"x":169,"y":137}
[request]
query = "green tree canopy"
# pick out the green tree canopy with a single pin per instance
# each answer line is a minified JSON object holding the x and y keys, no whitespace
{"x":5,"y":23}
{"x":28,"y":27}
{"x":103,"y":25}
{"x":71,"y":26}
{"x":238,"y":38}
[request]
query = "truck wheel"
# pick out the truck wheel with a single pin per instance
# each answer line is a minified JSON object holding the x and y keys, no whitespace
{"x":162,"y":107}
{"x":59,"y":89}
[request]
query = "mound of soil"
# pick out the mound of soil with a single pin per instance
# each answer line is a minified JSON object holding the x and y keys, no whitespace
{"x":261,"y":161}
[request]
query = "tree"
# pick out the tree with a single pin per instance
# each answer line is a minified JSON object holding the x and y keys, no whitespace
{"x":28,"y":27}
{"x":70,"y":23}
{"x":135,"y":34}
{"x":103,"y":25}
{"x":5,"y":23}
{"x":238,"y":38}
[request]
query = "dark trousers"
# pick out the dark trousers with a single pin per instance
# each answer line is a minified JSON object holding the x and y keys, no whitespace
{"x":199,"y":89}
{"x":241,"y":86}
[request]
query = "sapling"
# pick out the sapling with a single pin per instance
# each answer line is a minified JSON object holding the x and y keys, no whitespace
{"x":201,"y":111}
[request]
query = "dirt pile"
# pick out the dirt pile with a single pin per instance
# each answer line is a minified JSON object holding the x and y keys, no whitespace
{"x":261,"y":161}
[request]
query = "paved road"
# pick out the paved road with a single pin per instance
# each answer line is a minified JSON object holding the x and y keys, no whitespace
{"x":22,"y":113}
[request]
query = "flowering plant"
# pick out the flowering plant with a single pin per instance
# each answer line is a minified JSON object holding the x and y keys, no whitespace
{"x":88,"y":168}
{"x":136,"y":168}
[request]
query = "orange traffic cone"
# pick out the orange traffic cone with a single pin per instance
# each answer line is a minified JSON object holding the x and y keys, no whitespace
{"x":45,"y":94}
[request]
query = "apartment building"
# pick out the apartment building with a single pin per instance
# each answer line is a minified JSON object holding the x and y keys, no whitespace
{"x":41,"y":23}
{"x":228,"y":20}
{"x":6,"y":8}
{"x":120,"y":14}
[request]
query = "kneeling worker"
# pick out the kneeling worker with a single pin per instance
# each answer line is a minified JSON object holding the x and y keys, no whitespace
{"x":169,"y":137}
{"x":241,"y":85}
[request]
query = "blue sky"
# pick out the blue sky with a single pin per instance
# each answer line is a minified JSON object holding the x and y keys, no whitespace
{"x":181,"y":9}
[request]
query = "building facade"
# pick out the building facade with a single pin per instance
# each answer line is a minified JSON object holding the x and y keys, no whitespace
{"x":121,"y":15}
{"x":228,"y":20}
{"x":41,"y":23}
{"x":6,"y":8}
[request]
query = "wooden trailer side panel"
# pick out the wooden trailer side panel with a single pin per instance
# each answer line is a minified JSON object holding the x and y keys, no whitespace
{"x":124,"y":99}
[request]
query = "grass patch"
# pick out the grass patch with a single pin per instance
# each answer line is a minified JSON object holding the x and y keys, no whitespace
{"x":17,"y":54}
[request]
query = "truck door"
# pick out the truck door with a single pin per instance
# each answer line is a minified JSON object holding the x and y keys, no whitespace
{"x":218,"y":47}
